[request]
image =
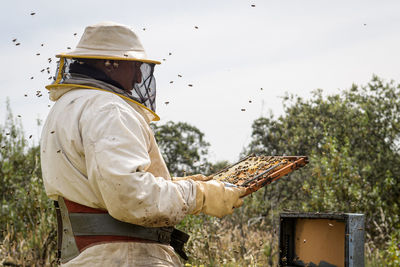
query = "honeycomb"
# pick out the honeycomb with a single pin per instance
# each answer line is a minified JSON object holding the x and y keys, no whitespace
{"x":255,"y":172}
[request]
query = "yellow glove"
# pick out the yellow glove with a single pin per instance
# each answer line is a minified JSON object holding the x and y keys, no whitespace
{"x":196,"y":177}
{"x":215,"y":199}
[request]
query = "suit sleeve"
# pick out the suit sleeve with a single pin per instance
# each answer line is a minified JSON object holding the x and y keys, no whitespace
{"x":116,"y":154}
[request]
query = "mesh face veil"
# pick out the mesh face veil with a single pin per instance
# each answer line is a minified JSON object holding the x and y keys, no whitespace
{"x":76,"y":71}
{"x":146,"y":90}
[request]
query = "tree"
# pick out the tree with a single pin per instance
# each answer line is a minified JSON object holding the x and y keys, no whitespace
{"x":183,"y":147}
{"x":352,"y":139}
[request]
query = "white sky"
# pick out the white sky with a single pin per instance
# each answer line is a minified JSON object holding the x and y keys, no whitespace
{"x":281,"y":46}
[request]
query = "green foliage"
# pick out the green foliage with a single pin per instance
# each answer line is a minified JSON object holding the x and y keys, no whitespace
{"x":26,"y":215}
{"x":183,"y":147}
{"x":353,"y":141}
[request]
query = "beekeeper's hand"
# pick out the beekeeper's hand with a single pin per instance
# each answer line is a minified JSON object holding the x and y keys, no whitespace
{"x":196,"y":177}
{"x":215,"y":199}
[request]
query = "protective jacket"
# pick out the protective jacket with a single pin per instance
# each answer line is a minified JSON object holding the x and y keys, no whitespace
{"x":98,"y":150}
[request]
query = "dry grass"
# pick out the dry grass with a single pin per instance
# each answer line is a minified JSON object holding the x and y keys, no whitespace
{"x":36,"y":247}
{"x":221,"y":243}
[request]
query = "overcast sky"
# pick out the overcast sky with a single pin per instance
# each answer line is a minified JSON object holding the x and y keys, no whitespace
{"x":280,"y":46}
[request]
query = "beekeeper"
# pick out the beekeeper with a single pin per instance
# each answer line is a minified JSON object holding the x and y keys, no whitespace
{"x":116,"y":202}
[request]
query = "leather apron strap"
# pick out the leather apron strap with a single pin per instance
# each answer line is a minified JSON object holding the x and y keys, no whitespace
{"x":84,"y":226}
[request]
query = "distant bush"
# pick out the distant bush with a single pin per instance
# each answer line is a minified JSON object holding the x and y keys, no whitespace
{"x":353,"y":143}
{"x":26,"y":216}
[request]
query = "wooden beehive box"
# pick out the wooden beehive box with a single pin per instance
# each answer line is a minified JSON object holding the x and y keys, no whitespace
{"x":321,"y":239}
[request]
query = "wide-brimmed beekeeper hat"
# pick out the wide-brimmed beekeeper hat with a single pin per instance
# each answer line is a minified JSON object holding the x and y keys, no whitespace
{"x":109,"y":40}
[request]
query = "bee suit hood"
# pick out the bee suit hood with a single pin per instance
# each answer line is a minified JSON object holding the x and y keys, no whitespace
{"x":112,"y":42}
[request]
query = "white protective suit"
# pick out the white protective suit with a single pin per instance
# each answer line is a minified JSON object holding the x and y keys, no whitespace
{"x":98,"y":150}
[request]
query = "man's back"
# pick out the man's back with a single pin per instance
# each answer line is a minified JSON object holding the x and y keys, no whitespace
{"x":98,"y":151}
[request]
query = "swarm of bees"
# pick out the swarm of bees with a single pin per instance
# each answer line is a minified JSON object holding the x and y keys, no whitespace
{"x":44,"y":70}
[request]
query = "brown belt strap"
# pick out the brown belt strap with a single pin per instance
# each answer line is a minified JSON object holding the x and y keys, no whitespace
{"x":92,"y":226}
